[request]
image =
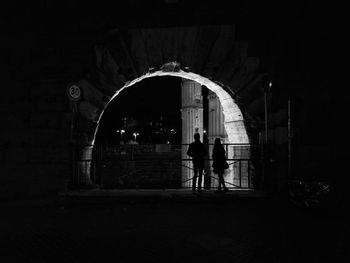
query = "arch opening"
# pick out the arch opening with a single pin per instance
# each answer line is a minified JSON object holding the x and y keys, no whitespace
{"x":233,"y":117}
{"x":234,"y":122}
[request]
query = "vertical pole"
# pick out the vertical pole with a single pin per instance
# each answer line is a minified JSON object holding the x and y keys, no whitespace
{"x":262,"y":183}
{"x":73,"y":150}
{"x":248,"y":173}
{"x":162,"y":174}
{"x":264,"y":147}
{"x":74,"y":137}
{"x":94,"y":173}
{"x":289,"y":143}
{"x":72,"y":121}
{"x":77,"y":155}
{"x":265,"y":102}
{"x":240,"y":173}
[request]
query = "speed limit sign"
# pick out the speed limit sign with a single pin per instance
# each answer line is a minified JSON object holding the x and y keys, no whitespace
{"x":74,"y":91}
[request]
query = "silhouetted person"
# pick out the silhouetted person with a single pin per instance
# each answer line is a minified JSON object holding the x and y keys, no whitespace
{"x":197,"y":151}
{"x":219,"y":164}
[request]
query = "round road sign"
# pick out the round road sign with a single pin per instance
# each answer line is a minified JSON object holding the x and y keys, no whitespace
{"x":74,"y":91}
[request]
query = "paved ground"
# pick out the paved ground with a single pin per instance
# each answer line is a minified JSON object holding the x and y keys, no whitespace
{"x":191,"y":229}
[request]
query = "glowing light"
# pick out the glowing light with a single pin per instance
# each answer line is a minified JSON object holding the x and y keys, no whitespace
{"x":135,"y":135}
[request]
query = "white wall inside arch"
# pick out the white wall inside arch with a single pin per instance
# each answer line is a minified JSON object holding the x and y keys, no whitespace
{"x":234,"y":123}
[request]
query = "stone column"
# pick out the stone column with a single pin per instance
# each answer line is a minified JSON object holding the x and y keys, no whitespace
{"x":192,"y":122}
{"x":216,"y":129}
{"x":84,"y":166}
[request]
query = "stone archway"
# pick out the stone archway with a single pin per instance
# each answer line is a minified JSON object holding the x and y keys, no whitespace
{"x":209,"y":55}
{"x":234,"y":122}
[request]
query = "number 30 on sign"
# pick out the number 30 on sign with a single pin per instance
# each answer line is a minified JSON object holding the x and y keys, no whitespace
{"x":73,"y":91}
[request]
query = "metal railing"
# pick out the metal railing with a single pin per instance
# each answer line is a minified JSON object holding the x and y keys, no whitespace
{"x":161,"y":167}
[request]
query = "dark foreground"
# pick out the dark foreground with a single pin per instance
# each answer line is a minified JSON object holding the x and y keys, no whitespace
{"x":171,"y":230}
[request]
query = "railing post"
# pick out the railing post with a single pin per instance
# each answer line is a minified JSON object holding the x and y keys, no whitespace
{"x":162,"y":174}
{"x":248,"y":162}
{"x":240,"y":173}
{"x":289,"y":142}
{"x":78,"y":172}
{"x":262,"y":183}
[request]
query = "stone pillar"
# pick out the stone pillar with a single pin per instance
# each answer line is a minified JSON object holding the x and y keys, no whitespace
{"x":192,"y":122}
{"x":216,"y":129}
{"x":84,"y":166}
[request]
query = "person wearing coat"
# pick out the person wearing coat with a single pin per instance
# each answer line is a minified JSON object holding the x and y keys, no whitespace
{"x":198,"y":152}
{"x":219,"y":164}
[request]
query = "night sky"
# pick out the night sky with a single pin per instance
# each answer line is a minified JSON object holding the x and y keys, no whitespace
{"x":147,"y":100}
{"x":150,"y":98}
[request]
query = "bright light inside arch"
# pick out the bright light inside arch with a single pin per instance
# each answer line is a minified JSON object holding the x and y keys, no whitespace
{"x":234,"y":123}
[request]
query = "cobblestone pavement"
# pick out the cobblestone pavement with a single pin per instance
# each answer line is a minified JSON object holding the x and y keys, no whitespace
{"x":242,"y":230}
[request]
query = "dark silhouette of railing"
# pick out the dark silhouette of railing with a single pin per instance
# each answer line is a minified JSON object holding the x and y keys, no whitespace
{"x":160,"y":166}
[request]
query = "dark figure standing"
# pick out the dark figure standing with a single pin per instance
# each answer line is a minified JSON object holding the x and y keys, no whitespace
{"x":219,"y":163}
{"x":197,"y":151}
